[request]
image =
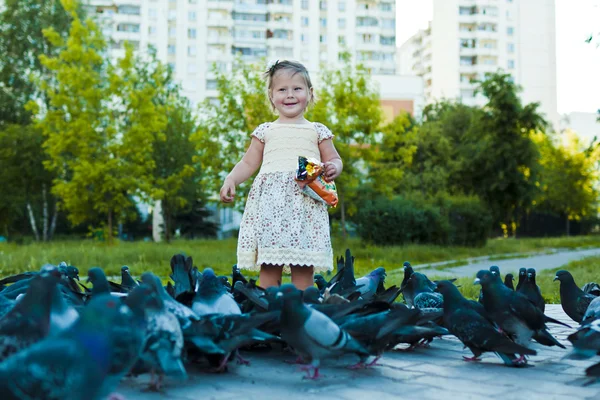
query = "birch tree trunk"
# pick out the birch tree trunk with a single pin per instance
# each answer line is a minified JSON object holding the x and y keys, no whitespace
{"x":53,"y":223}
{"x":32,"y":222}
{"x":45,"y":212}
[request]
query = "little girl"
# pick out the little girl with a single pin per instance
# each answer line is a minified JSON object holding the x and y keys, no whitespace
{"x":282,"y":227}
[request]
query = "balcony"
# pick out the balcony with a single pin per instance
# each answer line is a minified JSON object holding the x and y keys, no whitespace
{"x":368,"y":46}
{"x":220,"y":22}
{"x":220,"y":39}
{"x":368,"y":29}
{"x":219,"y":57}
{"x":250,"y":8}
{"x":226,"y":5}
{"x":280,"y":42}
{"x":246,"y":41}
{"x":280,"y":25}
{"x":371,"y":12}
{"x":275,"y":8}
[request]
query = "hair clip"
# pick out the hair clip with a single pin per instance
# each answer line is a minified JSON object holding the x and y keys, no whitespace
{"x":271,"y":66}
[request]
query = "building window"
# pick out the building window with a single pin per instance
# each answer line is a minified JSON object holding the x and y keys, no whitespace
{"x":387,"y":40}
{"x":152,"y":12}
{"x":510,"y":31}
{"x":152,"y":30}
{"x":172,"y":15}
{"x":342,"y":40}
{"x":192,"y":15}
{"x":323,"y":5}
{"x":511,"y":64}
{"x":129,"y":10}
{"x":305,"y":4}
{"x":211,"y":84}
{"x":304,"y":38}
{"x":192,"y":33}
{"x":172,"y":32}
{"x":342,"y":6}
{"x":191,"y":68}
{"x":388,"y":23}
{"x":171,"y":49}
{"x":385,"y":6}
{"x":304,"y":21}
{"x":192,"y":51}
{"x":323,"y":22}
{"x":126,"y":27}
{"x":342,"y":23}
{"x":510,"y":47}
{"x":323,"y":38}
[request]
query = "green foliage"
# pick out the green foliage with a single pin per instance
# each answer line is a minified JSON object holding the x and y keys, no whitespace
{"x":224,"y":130}
{"x":393,"y":155}
{"x":100,"y":126}
{"x":21,"y":44}
{"x":348,"y":104}
{"x":458,"y":221}
{"x":568,"y":177}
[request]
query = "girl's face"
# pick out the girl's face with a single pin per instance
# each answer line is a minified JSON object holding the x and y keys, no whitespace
{"x":290,"y":94}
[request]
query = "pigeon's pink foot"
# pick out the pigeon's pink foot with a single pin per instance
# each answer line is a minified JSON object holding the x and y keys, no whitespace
{"x":374,"y":362}
{"x":298,"y":360}
{"x":241,"y":360}
{"x":222,"y":365}
{"x":115,"y":396}
{"x":474,"y":358}
{"x":520,"y":360}
{"x":308,"y":368}
{"x":358,"y":365}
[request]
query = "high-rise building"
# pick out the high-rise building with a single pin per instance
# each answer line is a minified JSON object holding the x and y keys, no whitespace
{"x":195,"y":35}
{"x":468,"y":38}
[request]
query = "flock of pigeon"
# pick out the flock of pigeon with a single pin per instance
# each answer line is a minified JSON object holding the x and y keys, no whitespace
{"x":61,"y":340}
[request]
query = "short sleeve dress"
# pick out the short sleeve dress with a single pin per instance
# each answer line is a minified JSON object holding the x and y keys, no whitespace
{"x":281,"y":225}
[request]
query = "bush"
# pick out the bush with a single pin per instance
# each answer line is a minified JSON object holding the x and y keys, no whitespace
{"x":459,"y":221}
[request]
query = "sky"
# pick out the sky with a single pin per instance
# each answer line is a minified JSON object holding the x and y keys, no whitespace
{"x":577,"y":62}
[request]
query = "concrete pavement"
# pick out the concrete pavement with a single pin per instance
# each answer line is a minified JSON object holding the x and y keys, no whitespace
{"x":434,"y":373}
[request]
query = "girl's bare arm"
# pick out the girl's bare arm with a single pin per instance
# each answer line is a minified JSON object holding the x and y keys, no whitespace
{"x":248,"y":164}
{"x":331,"y":158}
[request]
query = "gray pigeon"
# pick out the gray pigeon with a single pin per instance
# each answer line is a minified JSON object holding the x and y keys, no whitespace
{"x":573,"y":300}
{"x":212,"y":297}
{"x":522,"y":278}
{"x":532,"y":291}
{"x":424,"y":296}
{"x":127,"y":280}
{"x":592,"y":313}
{"x":28,"y":321}
{"x":71,"y":366}
{"x":367,"y":285}
{"x":586,"y":341}
{"x":5,"y":305}
{"x":163,"y":338}
{"x":312,"y":334}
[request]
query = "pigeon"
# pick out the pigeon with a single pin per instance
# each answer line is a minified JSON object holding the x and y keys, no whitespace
{"x":495,"y":270}
{"x":592,"y":313}
{"x":312,"y":334}
{"x":586,"y":341}
{"x":184,"y":314}
{"x":253,"y":296}
{"x":513,"y":312}
{"x":465,"y":321}
{"x":62,"y":314}
{"x":531,"y":290}
{"x":320,"y":282}
{"x":508,"y":281}
{"x":71,"y":366}
{"x":591,"y":288}
{"x":522,"y":278}
{"x":28,"y":321}
{"x":424,"y":296}
{"x":212,"y":297}
{"x":311,"y":295}
{"x":369,"y":284}
{"x":127,"y":280}
{"x":181,"y":267}
{"x":573,"y":300}
{"x":5,"y":305}
{"x":407,"y":292}
{"x":344,"y":279}
{"x":163,"y":339}
{"x":236,"y":275}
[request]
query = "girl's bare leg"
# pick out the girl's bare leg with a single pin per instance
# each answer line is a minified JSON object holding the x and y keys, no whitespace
{"x":270,"y":275}
{"x":302,"y":277}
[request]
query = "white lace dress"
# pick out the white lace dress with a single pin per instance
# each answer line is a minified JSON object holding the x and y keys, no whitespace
{"x":281,"y":225}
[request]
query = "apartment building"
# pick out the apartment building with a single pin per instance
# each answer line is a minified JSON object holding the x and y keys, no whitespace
{"x":468,"y":38}
{"x":195,"y":36}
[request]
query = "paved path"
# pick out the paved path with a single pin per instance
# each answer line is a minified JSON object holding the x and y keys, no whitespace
{"x":539,"y":262}
{"x":434,"y":373}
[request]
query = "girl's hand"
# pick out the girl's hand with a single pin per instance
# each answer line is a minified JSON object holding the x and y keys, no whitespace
{"x":331,"y":171}
{"x":227,"y":191}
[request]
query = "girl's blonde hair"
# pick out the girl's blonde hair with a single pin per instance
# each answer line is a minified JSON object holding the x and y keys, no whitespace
{"x":296,"y":68}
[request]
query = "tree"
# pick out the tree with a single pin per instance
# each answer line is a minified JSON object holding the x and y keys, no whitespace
{"x":21,"y":44}
{"x":568,"y":178}
{"x":101,"y":125}
{"x":504,"y":159}
{"x":394,"y":154}
{"x":27,"y":183}
{"x":348,"y":104}
{"x":224,"y":131}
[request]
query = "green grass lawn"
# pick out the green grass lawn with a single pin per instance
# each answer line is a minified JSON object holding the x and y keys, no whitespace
{"x":220,"y":254}
{"x":584,"y":271}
